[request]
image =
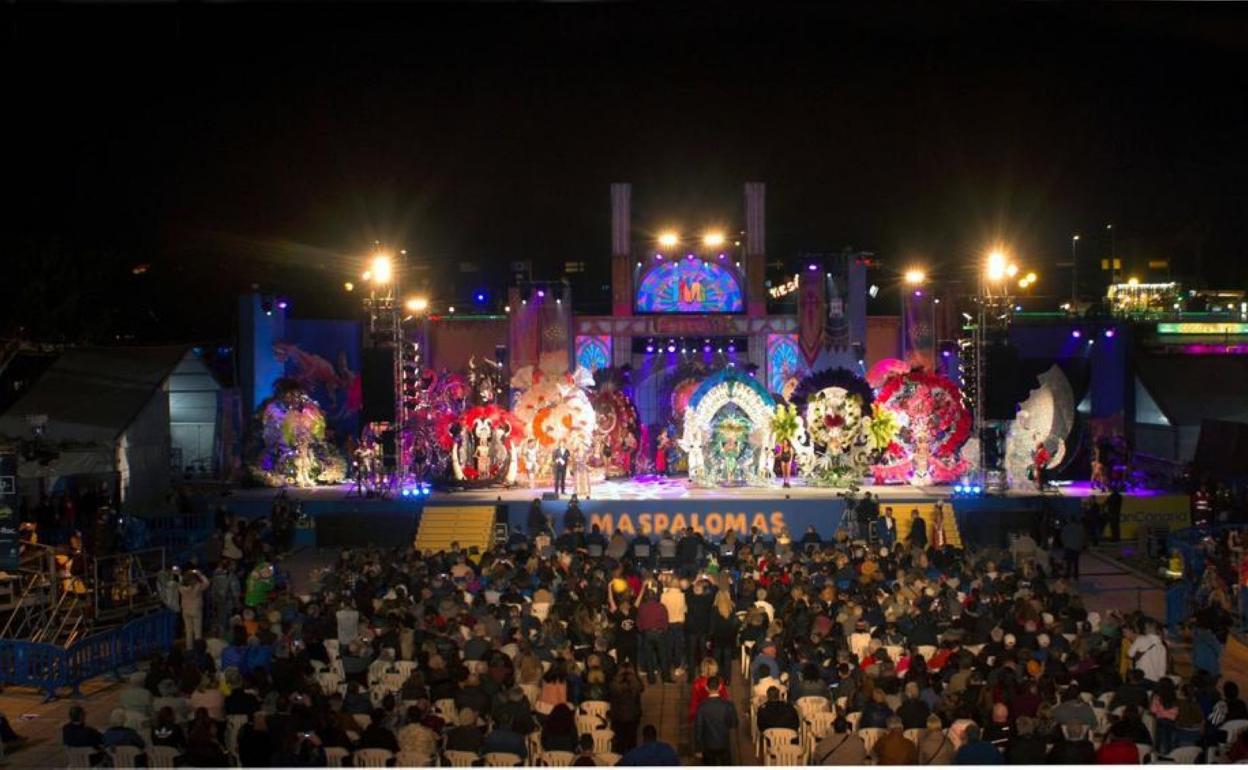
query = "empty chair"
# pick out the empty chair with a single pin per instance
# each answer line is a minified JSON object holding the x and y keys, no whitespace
{"x":869,"y":736}
{"x":602,"y":740}
{"x":461,"y":758}
{"x":810,"y":704}
{"x":558,"y":758}
{"x":777,"y":739}
{"x":161,"y":757}
{"x":373,"y":758}
{"x":502,"y":759}
{"x":335,"y":756}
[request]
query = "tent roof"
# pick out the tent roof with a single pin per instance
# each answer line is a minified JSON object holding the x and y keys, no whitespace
{"x":1190,"y":389}
{"x":92,"y":394}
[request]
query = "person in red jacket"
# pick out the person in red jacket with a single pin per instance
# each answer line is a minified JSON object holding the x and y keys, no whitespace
{"x":706,"y":669}
{"x":652,"y":623}
{"x":1118,"y":750}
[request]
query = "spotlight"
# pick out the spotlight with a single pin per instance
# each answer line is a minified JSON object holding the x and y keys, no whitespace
{"x":382,"y":269}
{"x":558,"y":300}
{"x":873,"y":291}
{"x":1109,"y":334}
{"x":541,"y":292}
{"x":649,"y":348}
{"x":480,"y":296}
{"x":671,"y":348}
{"x":684,"y":351}
{"x":713,"y":239}
{"x":812,"y":267}
{"x":282,"y":304}
{"x":977,"y":489}
{"x":417,"y":304}
{"x":668,"y":240}
{"x":451,"y":309}
{"x":732,"y":347}
{"x":349,"y":286}
{"x":1076,"y":333}
{"x":706,"y":348}
{"x":507,"y":308}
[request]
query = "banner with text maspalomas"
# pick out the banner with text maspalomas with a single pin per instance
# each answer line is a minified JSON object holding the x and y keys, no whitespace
{"x":8,"y":512}
{"x":712,"y":518}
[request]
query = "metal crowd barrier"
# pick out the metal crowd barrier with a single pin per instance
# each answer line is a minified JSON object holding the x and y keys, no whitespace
{"x":49,"y":667}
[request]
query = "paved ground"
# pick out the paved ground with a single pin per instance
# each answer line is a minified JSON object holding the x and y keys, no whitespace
{"x":1104,"y":585}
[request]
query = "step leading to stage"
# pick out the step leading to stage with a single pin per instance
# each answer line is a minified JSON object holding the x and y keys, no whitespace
{"x":469,"y":525}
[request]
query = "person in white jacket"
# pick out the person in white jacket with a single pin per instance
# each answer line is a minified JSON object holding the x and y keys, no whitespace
{"x":191,"y":592}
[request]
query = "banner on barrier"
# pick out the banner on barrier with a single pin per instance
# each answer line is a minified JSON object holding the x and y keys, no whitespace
{"x":712,"y":518}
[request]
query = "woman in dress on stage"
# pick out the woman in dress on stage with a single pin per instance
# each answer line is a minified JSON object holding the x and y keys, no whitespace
{"x":660,"y":454}
{"x":938,"y":526}
{"x":580,"y":471}
{"x":786,"y":461}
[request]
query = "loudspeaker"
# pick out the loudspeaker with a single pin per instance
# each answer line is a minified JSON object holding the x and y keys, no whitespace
{"x":377,"y":385}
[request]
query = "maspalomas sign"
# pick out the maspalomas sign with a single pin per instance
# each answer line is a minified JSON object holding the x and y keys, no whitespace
{"x":712,"y":518}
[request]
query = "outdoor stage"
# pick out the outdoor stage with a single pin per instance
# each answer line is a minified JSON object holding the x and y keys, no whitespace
{"x":651,"y":504}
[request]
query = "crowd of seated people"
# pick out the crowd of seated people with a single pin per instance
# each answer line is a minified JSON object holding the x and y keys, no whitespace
{"x":539,"y":651}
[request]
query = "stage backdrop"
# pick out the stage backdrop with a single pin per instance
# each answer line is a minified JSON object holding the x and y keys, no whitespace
{"x":710,"y":517}
{"x":324,"y":356}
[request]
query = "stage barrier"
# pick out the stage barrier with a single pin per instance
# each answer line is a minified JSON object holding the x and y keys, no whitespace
{"x":49,"y":667}
{"x":1143,"y":511}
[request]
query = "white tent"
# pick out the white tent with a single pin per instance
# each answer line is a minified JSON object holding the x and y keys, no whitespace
{"x":109,"y":414}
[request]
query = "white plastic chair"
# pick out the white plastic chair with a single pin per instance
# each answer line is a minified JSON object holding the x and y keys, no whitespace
{"x":445,"y":708}
{"x":602,"y":740}
{"x":1146,"y":753}
{"x":161,"y":757}
{"x":927,"y":651}
{"x":461,"y":758}
{"x":233,"y":723}
{"x":558,"y":758}
{"x":811,"y":704}
{"x":335,"y":756}
{"x":777,"y":740}
{"x":869,"y":736}
{"x":912,"y":735}
{"x":784,"y":756}
{"x":502,"y":759}
{"x":599,"y":708}
{"x":607,"y":759}
{"x":363,"y":720}
{"x":372,"y":758}
{"x":817,"y":726}
{"x":78,"y":758}
{"x":1184,"y":755}
{"x":412,"y":759}
{"x":125,"y":757}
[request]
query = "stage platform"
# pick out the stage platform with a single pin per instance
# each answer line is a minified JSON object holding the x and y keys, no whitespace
{"x":653,"y":504}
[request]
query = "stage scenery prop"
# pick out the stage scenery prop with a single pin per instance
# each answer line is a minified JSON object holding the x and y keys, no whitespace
{"x":727,"y":434}
{"x":1044,"y":419}
{"x":324,"y":358}
{"x":616,"y":428}
{"x":553,"y":406}
{"x":690,"y":285}
{"x":437,"y":399}
{"x":481,"y":444}
{"x":287,"y":444}
{"x":933,"y":425}
{"x":836,"y":406}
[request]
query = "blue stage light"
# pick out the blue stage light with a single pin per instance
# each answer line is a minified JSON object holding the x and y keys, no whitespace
{"x":977,"y":489}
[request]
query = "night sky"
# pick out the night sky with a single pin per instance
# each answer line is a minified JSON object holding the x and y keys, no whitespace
{"x":231,"y":145}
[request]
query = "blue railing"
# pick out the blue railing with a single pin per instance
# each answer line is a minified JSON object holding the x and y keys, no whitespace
{"x":1187,"y":543}
{"x":49,"y":667}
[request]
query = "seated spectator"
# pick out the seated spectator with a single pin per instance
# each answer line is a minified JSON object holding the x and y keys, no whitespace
{"x":118,"y":734}
{"x":913,"y":711}
{"x":777,"y":713}
{"x":559,"y":731}
{"x":1073,"y":748}
{"x":1026,"y":747}
{"x":167,"y":731}
{"x":976,"y":751}
{"x":378,"y":736}
{"x":1118,"y":749}
{"x":935,"y":747}
{"x":840,"y":747}
{"x":208,"y":696}
{"x":894,"y":748}
{"x":503,"y":738}
{"x":585,"y":754}
{"x":651,"y":752}
{"x":465,"y":736}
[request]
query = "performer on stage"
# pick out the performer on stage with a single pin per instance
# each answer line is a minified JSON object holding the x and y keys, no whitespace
{"x":660,"y":453}
{"x":1040,"y":459}
{"x":1098,"y":470}
{"x":938,"y":526}
{"x":786,"y":461}
{"x":580,"y":471}
{"x":559,"y":462}
{"x":530,"y":461}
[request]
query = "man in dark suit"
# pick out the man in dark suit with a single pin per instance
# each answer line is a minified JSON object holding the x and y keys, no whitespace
{"x":560,"y":465}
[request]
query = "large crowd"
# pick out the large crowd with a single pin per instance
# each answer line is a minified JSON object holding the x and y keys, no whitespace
{"x":539,"y":650}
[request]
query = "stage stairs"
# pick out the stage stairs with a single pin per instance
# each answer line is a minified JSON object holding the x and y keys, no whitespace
{"x":468,"y":525}
{"x":901,"y":512}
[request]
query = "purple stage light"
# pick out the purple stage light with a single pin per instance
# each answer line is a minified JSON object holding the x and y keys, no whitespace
{"x":649,"y":348}
{"x":541,"y":292}
{"x":671,"y":348}
{"x":721,"y":256}
{"x":706,"y":348}
{"x":812,"y":267}
{"x":1076,"y":333}
{"x":732,"y":348}
{"x":945,"y":353}
{"x":1109,"y":334}
{"x":918,"y":292}
{"x":282,"y":304}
